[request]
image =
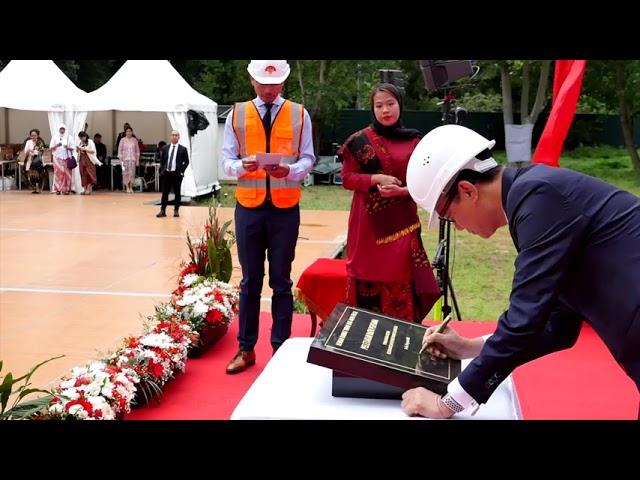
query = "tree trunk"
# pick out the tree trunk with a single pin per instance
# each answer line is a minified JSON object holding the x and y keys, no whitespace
{"x":317,"y":115}
{"x":507,"y":101}
{"x":626,"y":118}
{"x":541,"y":95}
{"x":524,"y":97}
{"x":300,"y":80}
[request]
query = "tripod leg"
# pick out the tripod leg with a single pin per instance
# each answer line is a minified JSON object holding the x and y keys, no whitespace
{"x":455,"y":300}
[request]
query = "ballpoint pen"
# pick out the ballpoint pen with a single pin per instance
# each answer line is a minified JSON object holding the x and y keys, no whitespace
{"x":441,"y":328}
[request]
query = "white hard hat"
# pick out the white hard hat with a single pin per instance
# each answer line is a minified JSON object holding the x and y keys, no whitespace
{"x":269,"y":72}
{"x":437,"y":159}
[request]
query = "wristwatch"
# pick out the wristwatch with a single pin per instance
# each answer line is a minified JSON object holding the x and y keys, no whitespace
{"x":451,"y":404}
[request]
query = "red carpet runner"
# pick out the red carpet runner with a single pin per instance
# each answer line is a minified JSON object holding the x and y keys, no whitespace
{"x":581,"y":383}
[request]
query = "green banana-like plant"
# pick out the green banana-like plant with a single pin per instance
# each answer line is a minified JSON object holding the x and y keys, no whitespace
{"x":21,"y":409}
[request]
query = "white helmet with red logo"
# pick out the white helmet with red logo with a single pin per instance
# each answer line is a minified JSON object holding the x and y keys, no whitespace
{"x":437,"y":159}
{"x":269,"y":72}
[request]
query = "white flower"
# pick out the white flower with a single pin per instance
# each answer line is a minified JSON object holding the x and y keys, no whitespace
{"x":56,"y":409}
{"x":161,"y":340}
{"x":107,"y":390}
{"x":68,"y":383}
{"x":187,"y":299}
{"x":78,"y":411}
{"x":188,"y":279}
{"x":201,"y":308}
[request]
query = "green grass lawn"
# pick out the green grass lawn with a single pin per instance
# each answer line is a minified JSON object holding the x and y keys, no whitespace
{"x":482,"y":270}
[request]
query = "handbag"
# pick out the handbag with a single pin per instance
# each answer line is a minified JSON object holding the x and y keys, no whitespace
{"x":71,"y":162}
{"x":36,"y":163}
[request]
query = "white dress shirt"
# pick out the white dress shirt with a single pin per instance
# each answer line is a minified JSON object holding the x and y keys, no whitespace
{"x":459,"y":394}
{"x":173,"y":151}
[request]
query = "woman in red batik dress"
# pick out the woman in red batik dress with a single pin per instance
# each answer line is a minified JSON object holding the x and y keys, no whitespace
{"x":387,"y":267}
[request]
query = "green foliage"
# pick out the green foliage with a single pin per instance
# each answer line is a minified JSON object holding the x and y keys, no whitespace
{"x":299,"y":307}
{"x":69,"y":67}
{"x":482,"y":102}
{"x":22,"y":409}
{"x":211,"y":254}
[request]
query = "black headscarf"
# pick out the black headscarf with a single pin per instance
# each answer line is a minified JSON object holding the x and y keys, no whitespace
{"x":396,"y":130}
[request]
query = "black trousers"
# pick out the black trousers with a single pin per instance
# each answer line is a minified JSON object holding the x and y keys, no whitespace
{"x":171,"y":180}
{"x":274,"y":232}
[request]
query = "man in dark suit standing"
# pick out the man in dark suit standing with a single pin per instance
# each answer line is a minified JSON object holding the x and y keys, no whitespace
{"x":174,"y":159}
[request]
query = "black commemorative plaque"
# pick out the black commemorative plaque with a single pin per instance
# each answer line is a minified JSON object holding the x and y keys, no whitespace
{"x":377,"y":349}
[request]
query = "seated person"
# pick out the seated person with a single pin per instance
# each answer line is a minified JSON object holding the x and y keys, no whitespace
{"x":161,"y":145}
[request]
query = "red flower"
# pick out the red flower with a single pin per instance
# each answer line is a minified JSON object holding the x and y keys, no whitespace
{"x":155,"y":369}
{"x":178,"y":292}
{"x":214,"y":316}
{"x":98,"y":413}
{"x":132,"y":342}
{"x":80,"y":401}
{"x":190,"y":268}
{"x":82,"y":381}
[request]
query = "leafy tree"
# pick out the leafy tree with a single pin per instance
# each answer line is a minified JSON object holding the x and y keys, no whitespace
{"x":614,"y":85}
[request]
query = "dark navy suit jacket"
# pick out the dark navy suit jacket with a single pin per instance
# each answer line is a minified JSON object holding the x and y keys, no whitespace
{"x":578,"y":242}
{"x":182,"y":158}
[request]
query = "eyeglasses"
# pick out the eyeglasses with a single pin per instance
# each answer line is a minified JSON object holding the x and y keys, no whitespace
{"x":443,"y":204}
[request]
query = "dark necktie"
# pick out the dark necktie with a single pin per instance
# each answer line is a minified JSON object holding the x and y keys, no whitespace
{"x":266,"y":122}
{"x":172,"y":158}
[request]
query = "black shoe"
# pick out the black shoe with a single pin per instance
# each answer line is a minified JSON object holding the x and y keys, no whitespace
{"x":175,"y":213}
{"x":161,"y":214}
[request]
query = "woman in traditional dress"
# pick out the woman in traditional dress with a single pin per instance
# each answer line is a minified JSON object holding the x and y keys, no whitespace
{"x":61,"y":149}
{"x":87,"y":162}
{"x":33,"y":149}
{"x":387,"y":267}
{"x":129,"y":155}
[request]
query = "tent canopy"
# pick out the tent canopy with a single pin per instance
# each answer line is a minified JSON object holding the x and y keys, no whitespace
{"x":38,"y":85}
{"x":149,"y":86}
{"x":155,"y":86}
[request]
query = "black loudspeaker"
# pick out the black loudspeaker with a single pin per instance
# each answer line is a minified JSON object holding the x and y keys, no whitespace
{"x":441,"y":74}
{"x":196,"y":121}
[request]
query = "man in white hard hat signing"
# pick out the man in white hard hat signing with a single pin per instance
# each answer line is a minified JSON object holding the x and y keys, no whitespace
{"x":268,"y":146}
{"x":578,"y":242}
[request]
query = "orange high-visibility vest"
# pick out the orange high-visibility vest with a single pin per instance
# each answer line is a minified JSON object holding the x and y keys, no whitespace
{"x":286,"y":134}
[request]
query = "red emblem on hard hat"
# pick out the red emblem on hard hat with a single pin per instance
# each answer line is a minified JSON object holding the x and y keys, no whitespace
{"x":269,"y":69}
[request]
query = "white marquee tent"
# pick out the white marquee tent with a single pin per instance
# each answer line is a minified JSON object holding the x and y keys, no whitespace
{"x":147,"y":93}
{"x":34,"y":93}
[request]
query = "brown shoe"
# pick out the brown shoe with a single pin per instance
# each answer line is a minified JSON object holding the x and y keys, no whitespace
{"x":241,"y":362}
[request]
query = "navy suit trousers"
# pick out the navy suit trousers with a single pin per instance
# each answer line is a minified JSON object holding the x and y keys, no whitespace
{"x":274,"y":232}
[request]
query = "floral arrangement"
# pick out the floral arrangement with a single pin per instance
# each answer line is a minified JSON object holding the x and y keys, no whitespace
{"x":204,"y":302}
{"x":95,"y":392}
{"x":210,"y":255}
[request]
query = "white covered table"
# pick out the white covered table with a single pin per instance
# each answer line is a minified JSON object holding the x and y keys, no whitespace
{"x":290,"y":388}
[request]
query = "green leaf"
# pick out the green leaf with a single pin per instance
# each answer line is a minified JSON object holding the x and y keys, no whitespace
{"x":223,"y":231}
{"x":214,"y":260}
{"x":0,"y":365}
{"x":28,"y":409}
{"x":29,"y":391}
{"x":226,"y":265}
{"x":5,"y":390}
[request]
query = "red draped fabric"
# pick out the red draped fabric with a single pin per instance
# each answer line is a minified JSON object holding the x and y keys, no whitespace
{"x":322,"y":285}
{"x":567,"y":84}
